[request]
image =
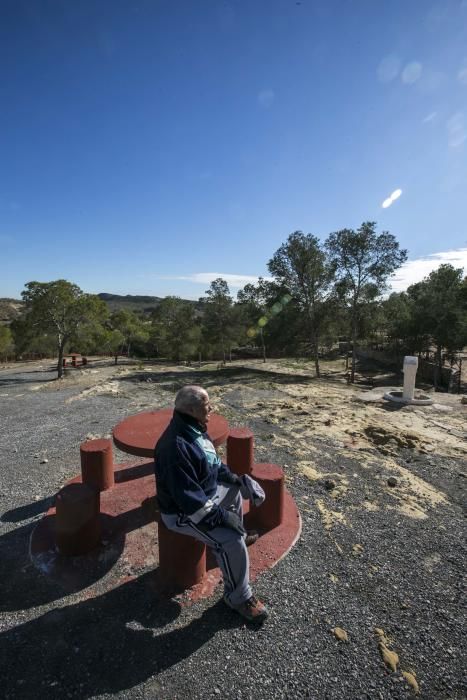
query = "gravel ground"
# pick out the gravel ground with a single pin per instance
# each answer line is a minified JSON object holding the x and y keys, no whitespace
{"x":373,"y":568}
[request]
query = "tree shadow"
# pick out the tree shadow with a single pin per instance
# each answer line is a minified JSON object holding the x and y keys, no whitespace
{"x":16,"y":380}
{"x":173,"y":381}
{"x":105,"y":644}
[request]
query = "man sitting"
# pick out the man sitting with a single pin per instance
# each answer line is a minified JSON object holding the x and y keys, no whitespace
{"x":199,"y":496}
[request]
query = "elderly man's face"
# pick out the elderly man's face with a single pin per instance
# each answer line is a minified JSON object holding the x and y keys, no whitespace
{"x":202,"y":410}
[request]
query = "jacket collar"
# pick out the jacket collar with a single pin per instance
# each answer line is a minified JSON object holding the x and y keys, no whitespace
{"x":183,"y":420}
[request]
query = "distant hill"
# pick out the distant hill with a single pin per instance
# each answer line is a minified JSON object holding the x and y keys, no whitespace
{"x":141,"y":304}
{"x":9,"y":310}
{"x":12,"y":308}
{"x":115,"y":302}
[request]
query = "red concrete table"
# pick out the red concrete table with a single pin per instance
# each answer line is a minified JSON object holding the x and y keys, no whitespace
{"x":138,"y":434}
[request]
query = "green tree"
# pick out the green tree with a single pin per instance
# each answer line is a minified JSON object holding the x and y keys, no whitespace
{"x":130,"y":328}
{"x":30,"y":339}
{"x":60,"y":309}
{"x":439,"y":310}
{"x":176,"y":329}
{"x":363,"y":261}
{"x":6,"y":341}
{"x":404,"y":325}
{"x":219,"y":327}
{"x":301,"y":266}
{"x":253,"y":302}
{"x":110,"y":340}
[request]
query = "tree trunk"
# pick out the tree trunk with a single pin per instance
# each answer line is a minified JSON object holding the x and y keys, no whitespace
{"x":116,"y":358}
{"x":354,"y":343}
{"x":439,"y":372}
{"x":61,"y":348}
{"x":317,"y":371}
{"x":262,"y":343}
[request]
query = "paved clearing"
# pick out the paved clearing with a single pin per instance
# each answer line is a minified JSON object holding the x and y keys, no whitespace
{"x":371,"y":556}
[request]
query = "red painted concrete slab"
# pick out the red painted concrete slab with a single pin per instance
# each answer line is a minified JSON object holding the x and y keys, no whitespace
{"x":129,"y":546}
{"x":137,"y":435}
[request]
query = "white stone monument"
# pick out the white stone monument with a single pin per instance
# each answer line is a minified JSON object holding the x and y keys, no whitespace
{"x":410,"y":372}
{"x":407,"y":395}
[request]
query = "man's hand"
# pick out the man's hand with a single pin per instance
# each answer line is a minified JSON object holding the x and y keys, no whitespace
{"x":233,"y":521}
{"x":230,"y":478}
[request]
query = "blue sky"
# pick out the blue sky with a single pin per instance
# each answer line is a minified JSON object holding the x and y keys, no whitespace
{"x":147,"y":147}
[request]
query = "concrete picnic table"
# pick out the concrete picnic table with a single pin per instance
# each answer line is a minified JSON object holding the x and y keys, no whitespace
{"x":138,"y":434}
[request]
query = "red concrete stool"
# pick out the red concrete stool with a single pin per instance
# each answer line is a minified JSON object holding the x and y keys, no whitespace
{"x":77,"y":519}
{"x":240,"y":450}
{"x":97,"y":469}
{"x":73,"y":361}
{"x":182,"y":559}
{"x":270,"y":513}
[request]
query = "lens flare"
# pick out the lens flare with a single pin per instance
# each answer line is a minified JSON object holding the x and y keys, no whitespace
{"x":277,"y":308}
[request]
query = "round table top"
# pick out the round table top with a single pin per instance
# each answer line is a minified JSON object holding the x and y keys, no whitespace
{"x":138,"y":434}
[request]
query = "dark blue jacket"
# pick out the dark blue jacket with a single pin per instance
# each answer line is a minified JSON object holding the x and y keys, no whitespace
{"x":187,"y":472}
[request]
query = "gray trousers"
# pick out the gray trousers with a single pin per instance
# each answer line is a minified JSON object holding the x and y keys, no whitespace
{"x":228,"y":545}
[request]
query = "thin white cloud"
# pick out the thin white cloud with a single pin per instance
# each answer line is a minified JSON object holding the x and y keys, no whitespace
{"x":236,"y":281}
{"x":415,"y":270}
{"x":392,"y":198}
